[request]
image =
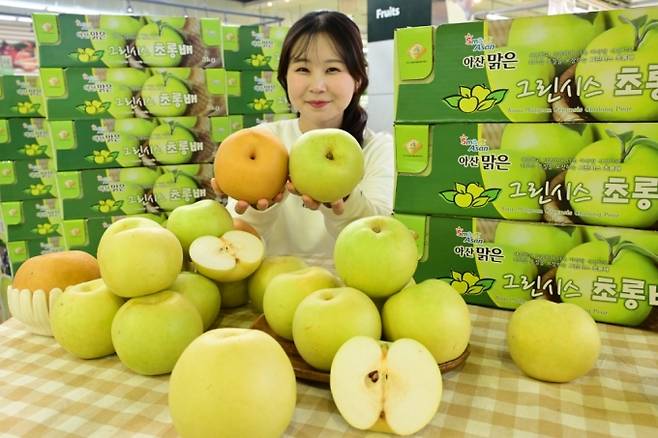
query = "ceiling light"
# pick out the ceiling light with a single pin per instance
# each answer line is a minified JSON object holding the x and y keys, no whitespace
{"x":22,"y":5}
{"x":269,"y":4}
{"x":496,"y":17}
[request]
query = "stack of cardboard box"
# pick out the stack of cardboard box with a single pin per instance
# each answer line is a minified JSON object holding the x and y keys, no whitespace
{"x":527,"y":159}
{"x":28,"y":193}
{"x":136,"y":108}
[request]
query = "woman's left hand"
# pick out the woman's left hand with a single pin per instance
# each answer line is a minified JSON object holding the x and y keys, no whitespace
{"x":337,"y":206}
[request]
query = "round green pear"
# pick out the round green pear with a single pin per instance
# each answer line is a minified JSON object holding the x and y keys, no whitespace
{"x":568,"y":350}
{"x":126,"y":147}
{"x":605,"y":263}
{"x":639,"y":46}
{"x":81,"y":319}
{"x":140,"y":128}
{"x":124,"y":25}
{"x":144,"y":177}
{"x":544,"y":243}
{"x":550,"y":35}
{"x":111,"y":46}
{"x":626,"y":159}
{"x":514,"y":201}
{"x":234,"y":293}
{"x":166,"y":144}
{"x":152,"y":36}
{"x":150,"y":332}
{"x":174,"y":189}
{"x":159,"y":93}
{"x":201,"y":292}
{"x":286,"y":290}
{"x":119,"y":97}
{"x":553,"y":144}
{"x":131,"y":195}
{"x":269,"y":269}
{"x":130,"y":77}
{"x":327,"y":318}
{"x":512,"y":276}
{"x":206,"y":217}
{"x":432,"y":313}
{"x":326,"y":164}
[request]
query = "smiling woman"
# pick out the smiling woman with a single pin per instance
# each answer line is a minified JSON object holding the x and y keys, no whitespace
{"x":323,"y":70}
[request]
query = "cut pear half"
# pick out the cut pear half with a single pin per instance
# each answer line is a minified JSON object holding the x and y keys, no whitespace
{"x":232,"y":257}
{"x":388,"y":387}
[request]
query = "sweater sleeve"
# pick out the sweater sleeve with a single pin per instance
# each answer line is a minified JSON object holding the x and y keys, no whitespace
{"x":374,"y":194}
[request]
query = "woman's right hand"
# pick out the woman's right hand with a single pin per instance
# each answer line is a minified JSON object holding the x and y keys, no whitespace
{"x":241,"y":206}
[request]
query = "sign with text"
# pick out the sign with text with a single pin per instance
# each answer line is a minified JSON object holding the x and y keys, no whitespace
{"x":384,"y":16}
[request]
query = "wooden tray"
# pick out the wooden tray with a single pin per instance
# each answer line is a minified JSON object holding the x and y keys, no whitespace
{"x":306,"y":372}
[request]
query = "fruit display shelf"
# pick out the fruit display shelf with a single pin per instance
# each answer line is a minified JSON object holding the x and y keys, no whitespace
{"x":487,"y":396}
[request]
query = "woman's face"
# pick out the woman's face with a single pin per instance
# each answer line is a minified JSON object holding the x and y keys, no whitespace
{"x":319,"y":85}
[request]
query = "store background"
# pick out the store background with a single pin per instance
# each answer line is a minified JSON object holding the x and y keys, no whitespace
{"x":17,"y":40}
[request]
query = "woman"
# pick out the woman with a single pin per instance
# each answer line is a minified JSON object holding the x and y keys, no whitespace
{"x":323,"y":70}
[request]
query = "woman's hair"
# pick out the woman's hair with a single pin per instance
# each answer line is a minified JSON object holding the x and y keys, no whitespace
{"x":346,"y":37}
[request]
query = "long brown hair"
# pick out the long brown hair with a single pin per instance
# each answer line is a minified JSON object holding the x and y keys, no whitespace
{"x":345,"y":35}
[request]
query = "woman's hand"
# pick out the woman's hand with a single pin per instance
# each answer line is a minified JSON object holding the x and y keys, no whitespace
{"x":337,"y":206}
{"x":241,"y":206}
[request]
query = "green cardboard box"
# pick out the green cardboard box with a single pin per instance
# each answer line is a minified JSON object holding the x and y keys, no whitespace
{"x":29,"y":179}
{"x":31,"y":219}
{"x":22,"y":250}
{"x":132,"y":190}
{"x":598,"y":66}
{"x":121,"y":93}
{"x":252,"y":47}
{"x":255,"y":92}
{"x":599,"y":174}
{"x":21,"y":96}
{"x":85,"y":234}
{"x":71,"y":40}
{"x":610,"y":272}
{"x":250,"y":120}
{"x":24,"y":139}
{"x":109,"y":143}
{"x":241,"y":121}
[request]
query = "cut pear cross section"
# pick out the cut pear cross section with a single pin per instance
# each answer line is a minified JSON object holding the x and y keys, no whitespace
{"x":392,"y":387}
{"x":232,"y":257}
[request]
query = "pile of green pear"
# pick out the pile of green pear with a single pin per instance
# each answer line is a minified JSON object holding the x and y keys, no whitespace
{"x":378,"y":335}
{"x":140,"y":41}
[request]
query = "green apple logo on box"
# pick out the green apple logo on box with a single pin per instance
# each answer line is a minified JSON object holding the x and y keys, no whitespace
{"x":478,"y":98}
{"x":102,"y":157}
{"x":45,"y":229}
{"x":472,"y":195}
{"x":468,"y":283}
